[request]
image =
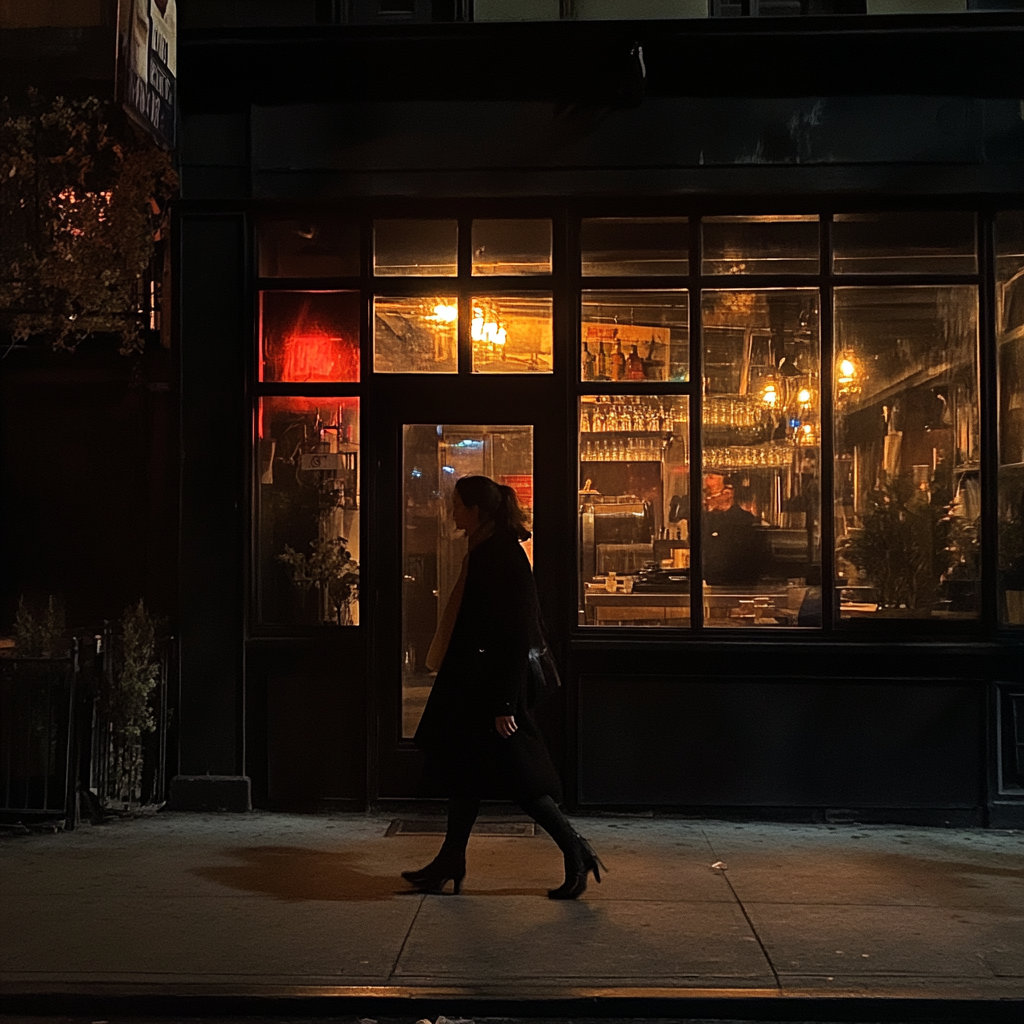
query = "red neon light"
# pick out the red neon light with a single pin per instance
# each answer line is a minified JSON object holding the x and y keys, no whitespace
{"x":314,"y":346}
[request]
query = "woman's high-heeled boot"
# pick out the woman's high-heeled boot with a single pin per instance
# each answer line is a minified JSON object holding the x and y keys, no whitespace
{"x":435,"y":876}
{"x":578,"y":864}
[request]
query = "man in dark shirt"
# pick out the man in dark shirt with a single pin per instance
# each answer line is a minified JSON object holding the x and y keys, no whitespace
{"x":734,"y":551}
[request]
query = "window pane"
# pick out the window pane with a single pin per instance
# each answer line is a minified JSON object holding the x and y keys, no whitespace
{"x":416,"y":334}
{"x":907,"y":500}
{"x":1010,"y":321}
{"x":309,"y":336}
{"x":904,"y":243}
{"x":308,"y":471}
{"x":511,"y":334}
{"x":415,"y":248}
{"x":634,"y":511}
{"x":434,"y":457}
{"x":511,"y":247}
{"x":761,"y":525}
{"x":635,"y":336}
{"x":635,"y":246}
{"x":308,"y":248}
{"x":760,"y":245}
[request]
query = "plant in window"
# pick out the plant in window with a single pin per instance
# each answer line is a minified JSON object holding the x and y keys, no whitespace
{"x":331,"y":570}
{"x":895,"y":547}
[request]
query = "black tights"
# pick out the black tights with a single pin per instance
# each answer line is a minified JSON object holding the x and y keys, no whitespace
{"x":463,"y":810}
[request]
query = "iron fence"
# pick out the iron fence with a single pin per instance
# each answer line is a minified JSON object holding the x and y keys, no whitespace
{"x":37,"y":727}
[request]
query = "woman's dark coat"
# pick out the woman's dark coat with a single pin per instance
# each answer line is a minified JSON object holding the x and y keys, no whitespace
{"x":483,"y":676}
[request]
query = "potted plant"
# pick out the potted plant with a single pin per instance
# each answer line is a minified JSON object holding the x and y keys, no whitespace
{"x":331,"y":571}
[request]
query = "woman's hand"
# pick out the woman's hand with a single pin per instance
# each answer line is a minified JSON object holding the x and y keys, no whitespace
{"x":506,"y":725}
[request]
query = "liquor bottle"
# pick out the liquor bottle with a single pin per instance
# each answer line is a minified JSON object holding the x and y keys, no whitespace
{"x":602,"y":362}
{"x":634,"y":365}
{"x":586,"y":363}
{"x":611,"y":421}
{"x":584,"y":423}
{"x":618,"y":363}
{"x":597,"y":420}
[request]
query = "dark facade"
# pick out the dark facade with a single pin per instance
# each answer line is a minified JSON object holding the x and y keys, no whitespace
{"x":390,"y":147}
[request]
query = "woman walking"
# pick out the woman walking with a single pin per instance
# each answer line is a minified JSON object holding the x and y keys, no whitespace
{"x":477,"y":734}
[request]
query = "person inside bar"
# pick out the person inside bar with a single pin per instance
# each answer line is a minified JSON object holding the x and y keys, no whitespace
{"x":734,"y":553}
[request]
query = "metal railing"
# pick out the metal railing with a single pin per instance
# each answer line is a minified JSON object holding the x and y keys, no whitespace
{"x":37,"y":727}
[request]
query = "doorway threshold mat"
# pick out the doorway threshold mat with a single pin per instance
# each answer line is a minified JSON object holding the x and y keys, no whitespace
{"x":436,"y":827}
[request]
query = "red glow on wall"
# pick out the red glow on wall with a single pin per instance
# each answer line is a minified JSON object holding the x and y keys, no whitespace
{"x":310,"y":336}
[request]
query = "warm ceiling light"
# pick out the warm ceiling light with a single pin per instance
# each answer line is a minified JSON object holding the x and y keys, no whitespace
{"x":446,"y":314}
{"x":803,"y":396}
{"x":847,"y":370}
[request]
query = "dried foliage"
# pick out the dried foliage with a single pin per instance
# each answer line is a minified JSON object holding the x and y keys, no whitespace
{"x":39,"y":632}
{"x":125,"y":700}
{"x":83,"y":201}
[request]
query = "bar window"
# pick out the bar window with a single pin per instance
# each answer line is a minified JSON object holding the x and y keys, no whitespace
{"x":760,"y":245}
{"x":1010,"y":334}
{"x":309,"y":336}
{"x":904,"y":242}
{"x":634,"y":246}
{"x":308,"y":491}
{"x":511,"y":248}
{"x":907,"y":451}
{"x":308,"y":248}
{"x":415,"y":248}
{"x":634,"y":510}
{"x":415,"y":334}
{"x":635,"y":336}
{"x":761,"y":490}
{"x":512,"y":334}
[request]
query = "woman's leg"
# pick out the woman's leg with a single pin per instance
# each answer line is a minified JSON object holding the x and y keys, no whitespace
{"x":450,"y":862}
{"x":579,"y":858}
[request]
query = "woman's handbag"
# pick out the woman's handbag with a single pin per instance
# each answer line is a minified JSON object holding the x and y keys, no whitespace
{"x":544,"y":680}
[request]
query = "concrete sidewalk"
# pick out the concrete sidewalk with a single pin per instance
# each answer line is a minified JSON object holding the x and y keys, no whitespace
{"x":272,"y":904}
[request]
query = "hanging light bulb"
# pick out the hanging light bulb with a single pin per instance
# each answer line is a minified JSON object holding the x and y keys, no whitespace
{"x":804,"y":396}
{"x":769,"y":395}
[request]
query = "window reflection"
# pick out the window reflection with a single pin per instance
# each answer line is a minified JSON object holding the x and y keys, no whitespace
{"x":308,"y":248}
{"x":635,"y":335}
{"x":904,"y":242}
{"x":309,"y":336}
{"x":415,"y":248}
{"x":416,"y":334}
{"x":907,"y":476}
{"x":634,"y":510}
{"x":1010,"y":326}
{"x":761,"y":536}
{"x":760,"y":245}
{"x":634,"y":246}
{"x":512,"y":334}
{"x":308,"y":472}
{"x":513,"y":248}
{"x":434,"y":456}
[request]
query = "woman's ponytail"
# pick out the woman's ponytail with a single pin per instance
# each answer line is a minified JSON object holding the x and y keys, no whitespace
{"x":497,"y":502}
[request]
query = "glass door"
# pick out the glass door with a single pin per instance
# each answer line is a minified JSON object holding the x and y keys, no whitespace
{"x":434,"y":456}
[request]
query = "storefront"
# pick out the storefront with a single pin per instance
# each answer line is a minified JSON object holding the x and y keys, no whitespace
{"x":765,"y":410}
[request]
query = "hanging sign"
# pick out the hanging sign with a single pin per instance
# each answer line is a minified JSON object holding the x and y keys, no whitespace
{"x":147,"y":65}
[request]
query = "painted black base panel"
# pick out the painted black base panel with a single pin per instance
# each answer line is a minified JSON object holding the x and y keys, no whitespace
{"x":702,"y":1004}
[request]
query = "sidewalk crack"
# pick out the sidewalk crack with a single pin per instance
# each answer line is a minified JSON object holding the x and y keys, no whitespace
{"x":743,"y":911}
{"x":401,"y":948}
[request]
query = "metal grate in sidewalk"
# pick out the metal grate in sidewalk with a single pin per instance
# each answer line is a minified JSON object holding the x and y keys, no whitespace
{"x":436,"y":827}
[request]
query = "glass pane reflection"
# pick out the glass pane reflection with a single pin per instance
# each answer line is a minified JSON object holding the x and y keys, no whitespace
{"x":761,"y":525}
{"x":308,"y":471}
{"x":511,"y":247}
{"x":1010,"y":326}
{"x":309,"y":336}
{"x":413,"y":334}
{"x":415,"y":248}
{"x":760,"y":245}
{"x":308,"y":248}
{"x":512,"y":334}
{"x":634,"y":246}
{"x":907,"y":473}
{"x":434,"y":456}
{"x":904,"y":242}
